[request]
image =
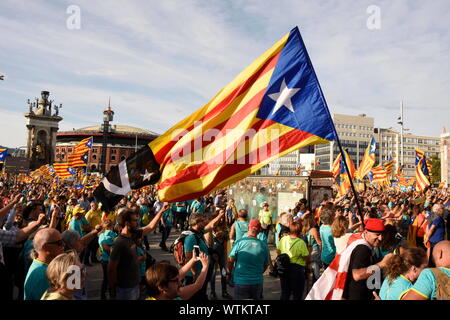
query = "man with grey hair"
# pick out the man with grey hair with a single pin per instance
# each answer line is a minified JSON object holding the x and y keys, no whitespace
{"x":73,"y":240}
{"x":436,"y":230}
{"x":47,"y":244}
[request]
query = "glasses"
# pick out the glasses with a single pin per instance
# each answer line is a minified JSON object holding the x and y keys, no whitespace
{"x":59,"y":243}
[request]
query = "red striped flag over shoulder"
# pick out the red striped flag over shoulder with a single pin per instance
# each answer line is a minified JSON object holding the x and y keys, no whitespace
{"x":331,"y":284}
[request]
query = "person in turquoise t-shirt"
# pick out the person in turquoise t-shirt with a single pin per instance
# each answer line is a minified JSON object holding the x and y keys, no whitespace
{"x":198,"y":206}
{"x":79,"y":222}
{"x":48,"y":243}
{"x":425,"y":288}
{"x":105,"y":241}
{"x":165,"y":227}
{"x":199,"y":225}
{"x":328,"y":247}
{"x":180,"y":211}
{"x":240,"y":226}
{"x":401,"y":272}
{"x":250,"y":258}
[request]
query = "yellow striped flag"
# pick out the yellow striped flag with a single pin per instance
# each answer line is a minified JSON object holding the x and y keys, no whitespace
{"x":421,"y":179}
{"x":336,"y":167}
{"x":379,"y":174}
{"x":79,"y":157}
{"x":84,"y":145}
{"x":78,"y":160}
{"x":389,"y":166}
{"x":270,"y":109}
{"x":367,"y":161}
{"x":63,"y":170}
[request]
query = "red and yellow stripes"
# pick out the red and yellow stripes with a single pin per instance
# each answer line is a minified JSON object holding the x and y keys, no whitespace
{"x":224,"y":141}
{"x":336,"y":167}
{"x":61,"y":169}
{"x":421,"y":180}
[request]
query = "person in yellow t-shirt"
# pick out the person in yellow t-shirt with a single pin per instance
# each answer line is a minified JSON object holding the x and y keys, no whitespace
{"x":94,"y":217}
{"x":293,"y":282}
{"x":265,"y":218}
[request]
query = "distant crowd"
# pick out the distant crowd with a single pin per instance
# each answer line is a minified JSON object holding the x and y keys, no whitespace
{"x":50,"y":236}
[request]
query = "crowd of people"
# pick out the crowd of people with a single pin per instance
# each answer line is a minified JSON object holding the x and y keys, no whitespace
{"x":50,"y":233}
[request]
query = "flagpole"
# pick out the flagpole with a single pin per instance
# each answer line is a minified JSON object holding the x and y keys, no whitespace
{"x":350,"y":178}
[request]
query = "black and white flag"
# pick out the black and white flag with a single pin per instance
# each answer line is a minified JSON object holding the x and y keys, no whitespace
{"x":137,"y":171}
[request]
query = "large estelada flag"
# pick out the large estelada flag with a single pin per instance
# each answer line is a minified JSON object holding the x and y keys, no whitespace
{"x":367,"y":161}
{"x":272,"y":108}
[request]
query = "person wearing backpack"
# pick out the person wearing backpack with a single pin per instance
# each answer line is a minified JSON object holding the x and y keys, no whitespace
{"x":293,"y":280}
{"x":434,"y":283}
{"x":199,"y":225}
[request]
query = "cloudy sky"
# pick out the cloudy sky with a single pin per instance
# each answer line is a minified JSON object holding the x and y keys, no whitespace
{"x":162,"y":60}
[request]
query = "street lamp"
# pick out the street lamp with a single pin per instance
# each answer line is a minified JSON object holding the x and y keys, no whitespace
{"x":108,"y":116}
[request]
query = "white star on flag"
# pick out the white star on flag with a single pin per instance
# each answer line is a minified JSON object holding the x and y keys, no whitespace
{"x":146,"y":176}
{"x":283,"y":97}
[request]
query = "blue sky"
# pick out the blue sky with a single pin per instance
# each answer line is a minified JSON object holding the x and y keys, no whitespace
{"x":162,"y":60}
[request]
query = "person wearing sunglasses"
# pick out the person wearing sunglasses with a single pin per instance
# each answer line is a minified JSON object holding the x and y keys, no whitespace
{"x":47,"y":244}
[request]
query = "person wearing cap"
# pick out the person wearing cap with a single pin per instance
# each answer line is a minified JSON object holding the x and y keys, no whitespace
{"x":363,"y":263}
{"x":250,"y":258}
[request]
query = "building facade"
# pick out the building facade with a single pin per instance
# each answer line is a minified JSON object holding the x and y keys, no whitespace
{"x":287,"y":165}
{"x":123,"y":142}
{"x":390,"y":145}
{"x":355,"y":133}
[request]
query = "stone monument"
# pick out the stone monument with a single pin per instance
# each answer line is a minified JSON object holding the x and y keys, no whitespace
{"x":42,"y":126}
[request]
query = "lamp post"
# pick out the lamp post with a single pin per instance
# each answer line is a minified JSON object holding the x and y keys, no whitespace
{"x":108,"y":116}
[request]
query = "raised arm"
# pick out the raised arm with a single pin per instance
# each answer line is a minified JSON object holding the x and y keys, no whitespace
{"x":154,"y":223}
{"x":210,"y":226}
{"x":24,"y":233}
{"x":188,"y":291}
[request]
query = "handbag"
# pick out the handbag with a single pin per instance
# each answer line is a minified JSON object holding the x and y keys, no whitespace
{"x":282,"y":262}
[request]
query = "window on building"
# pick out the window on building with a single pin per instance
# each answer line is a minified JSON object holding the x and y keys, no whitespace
{"x":113,"y":158}
{"x":63,"y":150}
{"x":113,"y":151}
{"x":94,"y":157}
{"x":69,"y":150}
{"x":94,"y":150}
